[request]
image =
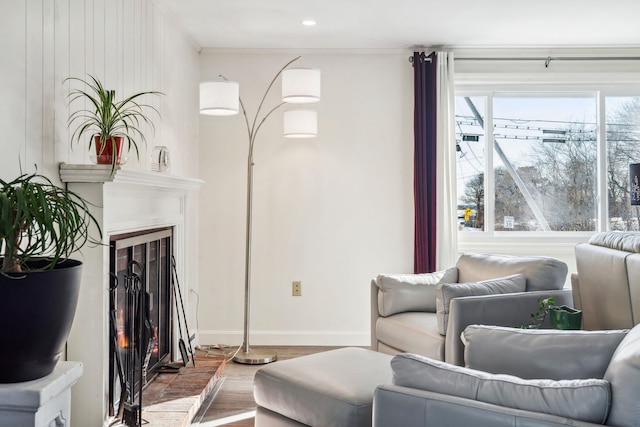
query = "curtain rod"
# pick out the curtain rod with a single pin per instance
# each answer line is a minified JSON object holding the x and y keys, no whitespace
{"x":548,"y":59}
{"x":423,"y":57}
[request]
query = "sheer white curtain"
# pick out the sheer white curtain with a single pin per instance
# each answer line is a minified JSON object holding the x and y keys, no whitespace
{"x":446,"y":215}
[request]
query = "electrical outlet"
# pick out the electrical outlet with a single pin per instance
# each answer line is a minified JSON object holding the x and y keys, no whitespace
{"x":296,"y":289}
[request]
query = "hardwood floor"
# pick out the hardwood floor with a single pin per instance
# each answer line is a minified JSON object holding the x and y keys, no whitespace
{"x":233,"y":404}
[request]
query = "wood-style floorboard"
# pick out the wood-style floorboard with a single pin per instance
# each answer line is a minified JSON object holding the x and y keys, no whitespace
{"x":235,"y":396}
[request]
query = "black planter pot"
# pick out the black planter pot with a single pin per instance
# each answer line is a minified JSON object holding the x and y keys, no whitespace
{"x":36,"y":313}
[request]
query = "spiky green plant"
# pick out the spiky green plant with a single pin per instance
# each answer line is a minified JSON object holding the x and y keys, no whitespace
{"x":108,"y":117}
{"x":39,"y":219}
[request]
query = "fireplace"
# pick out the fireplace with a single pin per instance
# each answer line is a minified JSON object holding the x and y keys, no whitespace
{"x":124,"y":202}
{"x":140,"y":316}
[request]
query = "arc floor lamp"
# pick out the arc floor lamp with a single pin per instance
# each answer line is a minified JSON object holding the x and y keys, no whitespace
{"x":222,"y":98}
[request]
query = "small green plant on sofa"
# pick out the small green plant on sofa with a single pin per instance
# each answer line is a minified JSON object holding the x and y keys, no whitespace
{"x":560,"y":316}
{"x":545,"y":305}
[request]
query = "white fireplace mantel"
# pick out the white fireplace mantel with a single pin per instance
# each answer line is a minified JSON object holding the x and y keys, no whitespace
{"x":102,"y":174}
{"x":122,"y":202}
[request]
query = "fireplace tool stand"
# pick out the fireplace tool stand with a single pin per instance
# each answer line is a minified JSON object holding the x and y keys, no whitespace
{"x":125,"y":388}
{"x":139,"y":331}
{"x":175,"y":284}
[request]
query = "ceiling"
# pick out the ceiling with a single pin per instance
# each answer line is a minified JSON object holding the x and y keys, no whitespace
{"x":397,"y":24}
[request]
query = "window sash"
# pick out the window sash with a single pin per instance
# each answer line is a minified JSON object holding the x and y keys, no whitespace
{"x":599,"y":93}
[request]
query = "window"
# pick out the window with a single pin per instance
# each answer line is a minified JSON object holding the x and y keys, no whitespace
{"x":623,"y":148}
{"x":542,"y":174}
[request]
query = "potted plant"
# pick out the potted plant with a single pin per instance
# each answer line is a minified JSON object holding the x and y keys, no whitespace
{"x":41,"y":225}
{"x":560,"y":316}
{"x":108,"y":123}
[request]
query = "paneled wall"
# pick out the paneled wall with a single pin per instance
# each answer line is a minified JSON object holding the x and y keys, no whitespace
{"x":130,"y":45}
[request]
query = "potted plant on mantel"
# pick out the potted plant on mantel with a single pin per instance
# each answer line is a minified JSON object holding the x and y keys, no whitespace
{"x":109,"y":123}
{"x":41,"y":225}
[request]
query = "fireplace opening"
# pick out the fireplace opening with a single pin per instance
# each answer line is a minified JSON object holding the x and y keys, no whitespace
{"x":140,"y":317}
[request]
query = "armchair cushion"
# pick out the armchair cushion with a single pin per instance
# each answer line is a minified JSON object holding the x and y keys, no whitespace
{"x":399,"y":293}
{"x":540,"y":353}
{"x":585,"y":399}
{"x":445,"y":292}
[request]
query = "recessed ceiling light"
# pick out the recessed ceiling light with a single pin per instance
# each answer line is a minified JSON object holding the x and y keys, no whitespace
{"x":309,"y":22}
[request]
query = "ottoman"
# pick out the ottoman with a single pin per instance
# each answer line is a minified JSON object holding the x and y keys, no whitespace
{"x":333,"y":388}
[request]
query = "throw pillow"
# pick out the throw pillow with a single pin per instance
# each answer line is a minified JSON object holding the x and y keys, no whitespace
{"x":411,"y":292}
{"x":585,"y":400}
{"x":445,"y":292}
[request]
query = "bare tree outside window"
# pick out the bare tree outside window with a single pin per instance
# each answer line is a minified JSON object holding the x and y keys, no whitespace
{"x":623,"y":148}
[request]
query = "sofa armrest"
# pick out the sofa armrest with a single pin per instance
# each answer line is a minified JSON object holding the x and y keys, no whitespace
{"x":575,"y":290}
{"x":374,"y":315}
{"x":512,"y":310}
{"x":540,"y":353}
{"x":408,"y":407}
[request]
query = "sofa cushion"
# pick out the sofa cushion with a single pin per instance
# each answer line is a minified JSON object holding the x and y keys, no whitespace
{"x":624,"y":375}
{"x":445,"y":292}
{"x":584,"y":400}
{"x":542,"y":273}
{"x":411,"y":332}
{"x":399,"y":293}
{"x":540,"y":353}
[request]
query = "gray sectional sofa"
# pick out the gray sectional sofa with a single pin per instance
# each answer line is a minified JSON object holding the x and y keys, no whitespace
{"x":519,"y":377}
{"x":425,"y":314}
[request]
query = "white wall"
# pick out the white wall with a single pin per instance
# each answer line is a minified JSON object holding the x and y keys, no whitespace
{"x":331,"y":212}
{"x":129,"y":44}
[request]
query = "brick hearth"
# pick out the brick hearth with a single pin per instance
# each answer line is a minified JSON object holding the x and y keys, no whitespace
{"x":172,"y":400}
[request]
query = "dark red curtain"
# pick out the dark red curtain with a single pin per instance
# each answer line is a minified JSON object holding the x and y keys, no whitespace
{"x":424,"y":184}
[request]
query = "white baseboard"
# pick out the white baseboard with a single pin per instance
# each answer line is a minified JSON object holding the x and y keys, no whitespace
{"x":321,"y":338}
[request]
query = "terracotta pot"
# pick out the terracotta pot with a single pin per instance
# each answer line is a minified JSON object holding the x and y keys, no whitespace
{"x":37,"y":309}
{"x":104,"y":151}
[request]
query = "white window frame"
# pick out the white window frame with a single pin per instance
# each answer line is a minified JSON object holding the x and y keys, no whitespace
{"x":600,"y":85}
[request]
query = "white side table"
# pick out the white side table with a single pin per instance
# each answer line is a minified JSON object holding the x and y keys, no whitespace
{"x":45,"y":402}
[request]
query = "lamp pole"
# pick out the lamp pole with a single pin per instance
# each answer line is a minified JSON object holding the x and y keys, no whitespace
{"x":246,"y":355}
{"x":301,"y":86}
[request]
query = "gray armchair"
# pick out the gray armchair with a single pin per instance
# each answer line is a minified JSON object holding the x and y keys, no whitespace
{"x":607,"y":285}
{"x":426,"y":313}
{"x":519,"y":377}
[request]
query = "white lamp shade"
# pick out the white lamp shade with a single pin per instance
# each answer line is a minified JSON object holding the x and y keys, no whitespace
{"x":300,"y":124}
{"x":301,"y":85}
{"x":219,"y":98}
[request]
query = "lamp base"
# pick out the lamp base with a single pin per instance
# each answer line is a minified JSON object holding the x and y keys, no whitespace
{"x":255,"y":357}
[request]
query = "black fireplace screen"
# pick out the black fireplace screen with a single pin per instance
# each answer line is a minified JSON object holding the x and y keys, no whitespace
{"x":140,"y":311}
